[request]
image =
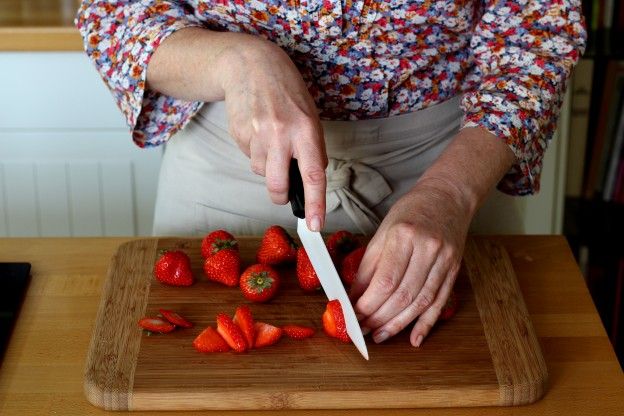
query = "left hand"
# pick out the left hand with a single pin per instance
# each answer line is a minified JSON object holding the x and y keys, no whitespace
{"x":411,"y":263}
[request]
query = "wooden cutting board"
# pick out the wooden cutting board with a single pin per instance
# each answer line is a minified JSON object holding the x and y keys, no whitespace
{"x":486,"y":355}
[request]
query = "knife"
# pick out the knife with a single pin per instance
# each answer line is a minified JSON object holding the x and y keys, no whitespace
{"x":321,"y":261}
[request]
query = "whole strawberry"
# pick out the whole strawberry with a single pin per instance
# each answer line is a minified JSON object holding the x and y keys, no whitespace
{"x":174,"y":268}
{"x":259,"y":283}
{"x":216,"y":241}
{"x":308,"y":280}
{"x":339,"y":244}
{"x":277,"y":247}
{"x":350,"y":265}
{"x":223,"y":267}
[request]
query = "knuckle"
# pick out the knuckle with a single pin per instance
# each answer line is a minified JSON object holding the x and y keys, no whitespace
{"x":385,"y":284}
{"x":424,"y":301}
{"x":314,"y":176}
{"x":404,"y":231}
{"x":276,"y":185}
{"x":257,"y":168}
{"x":395,"y":327}
{"x":433,"y":243}
{"x":404,"y":297}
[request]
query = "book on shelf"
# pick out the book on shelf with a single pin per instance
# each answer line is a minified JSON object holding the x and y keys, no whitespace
{"x":615,"y":158}
{"x":579,"y":120}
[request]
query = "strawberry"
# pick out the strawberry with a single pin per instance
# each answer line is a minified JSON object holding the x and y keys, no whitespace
{"x":175,"y":318}
{"x":341,"y":243}
{"x":350,"y":265}
{"x":259,"y":282}
{"x":297,"y":331}
{"x":231,"y":333}
{"x":174,"y":268}
{"x":217,"y":240}
{"x":308,"y":280}
{"x":449,"y":309}
{"x":245,"y":322}
{"x":334,"y":322}
{"x":277,"y":247}
{"x":156,"y":325}
{"x":223,"y":267}
{"x":266,"y":334}
{"x":210,"y":341}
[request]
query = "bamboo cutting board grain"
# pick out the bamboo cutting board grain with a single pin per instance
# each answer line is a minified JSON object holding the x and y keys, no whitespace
{"x":486,"y":355}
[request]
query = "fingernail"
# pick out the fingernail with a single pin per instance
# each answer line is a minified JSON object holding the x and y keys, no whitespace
{"x":380,"y":336}
{"x":419,"y":340}
{"x":315,"y":223}
{"x":365,"y":331}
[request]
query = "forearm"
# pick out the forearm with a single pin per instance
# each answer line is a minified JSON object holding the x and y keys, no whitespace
{"x":469,"y":167}
{"x":191,"y":63}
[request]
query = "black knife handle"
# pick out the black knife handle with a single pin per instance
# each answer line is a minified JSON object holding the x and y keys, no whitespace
{"x":295,"y":190}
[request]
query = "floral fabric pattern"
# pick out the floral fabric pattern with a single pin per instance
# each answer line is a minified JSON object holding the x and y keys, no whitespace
{"x":509,"y":59}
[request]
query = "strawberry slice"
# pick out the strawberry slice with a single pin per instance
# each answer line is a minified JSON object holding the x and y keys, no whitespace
{"x":298,"y":331}
{"x":175,"y":318}
{"x":266,"y":334}
{"x":450,"y":308}
{"x":334,"y":322}
{"x":231,"y":333}
{"x":245,"y":322}
{"x":210,"y":341}
{"x":156,"y":325}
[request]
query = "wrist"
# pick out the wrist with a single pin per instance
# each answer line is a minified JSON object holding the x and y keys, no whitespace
{"x":460,"y":194}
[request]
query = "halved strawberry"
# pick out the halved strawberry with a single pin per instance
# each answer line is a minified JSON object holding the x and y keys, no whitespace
{"x":245,"y":322}
{"x":298,"y":331}
{"x":175,"y":318}
{"x":334,"y":322}
{"x":216,"y":241}
{"x":231,"y":333}
{"x":266,"y":334}
{"x":156,"y":325}
{"x":210,"y":341}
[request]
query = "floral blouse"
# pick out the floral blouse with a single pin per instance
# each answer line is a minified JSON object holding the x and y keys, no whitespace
{"x":509,"y":59}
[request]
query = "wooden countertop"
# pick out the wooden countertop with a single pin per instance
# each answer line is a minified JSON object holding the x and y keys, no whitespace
{"x":42,"y":372}
{"x":39,"y":25}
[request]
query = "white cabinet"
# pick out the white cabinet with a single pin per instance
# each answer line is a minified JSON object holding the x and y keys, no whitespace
{"x":68,"y":166}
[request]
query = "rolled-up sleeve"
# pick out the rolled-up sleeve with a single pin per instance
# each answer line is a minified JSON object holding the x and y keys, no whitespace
{"x":120,"y":38}
{"x":524,"y":52}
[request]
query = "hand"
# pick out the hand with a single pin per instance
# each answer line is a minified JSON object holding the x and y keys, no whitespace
{"x":273,"y":119}
{"x":411,"y":263}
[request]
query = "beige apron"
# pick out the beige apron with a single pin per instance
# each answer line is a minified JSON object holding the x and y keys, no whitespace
{"x":206,"y":182}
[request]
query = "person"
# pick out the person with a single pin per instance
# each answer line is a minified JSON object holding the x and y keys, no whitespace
{"x":402,"y":116}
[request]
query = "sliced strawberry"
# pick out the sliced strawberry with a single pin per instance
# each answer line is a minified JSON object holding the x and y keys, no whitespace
{"x":175,"y":318}
{"x":245,"y":322}
{"x":298,"y":331}
{"x":156,"y":325}
{"x":266,"y":334}
{"x":334,"y":322}
{"x":231,"y":333}
{"x":210,"y":341}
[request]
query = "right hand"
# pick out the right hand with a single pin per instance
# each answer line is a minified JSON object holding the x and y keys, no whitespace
{"x":273,"y":118}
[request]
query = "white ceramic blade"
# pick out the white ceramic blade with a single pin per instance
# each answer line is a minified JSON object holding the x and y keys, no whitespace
{"x":332,"y":285}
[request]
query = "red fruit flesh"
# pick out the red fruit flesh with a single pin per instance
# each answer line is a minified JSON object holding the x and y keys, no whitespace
{"x":245,"y":322}
{"x":334,"y":322}
{"x":156,"y":325}
{"x":231,"y":333}
{"x":297,"y":331}
{"x":307,"y":277}
{"x":266,"y":334}
{"x":210,"y":341}
{"x":175,"y":318}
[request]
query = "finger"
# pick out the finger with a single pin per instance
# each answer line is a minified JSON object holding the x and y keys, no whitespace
{"x":387,"y":277}
{"x":427,"y":320}
{"x":277,"y":164}
{"x":423,"y":266}
{"x":258,"y":157}
{"x":365,"y":271}
{"x":311,"y":159}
